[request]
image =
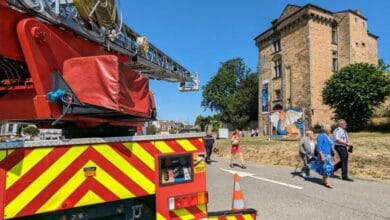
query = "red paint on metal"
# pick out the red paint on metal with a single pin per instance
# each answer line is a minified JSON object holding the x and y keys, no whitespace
{"x":44,"y":48}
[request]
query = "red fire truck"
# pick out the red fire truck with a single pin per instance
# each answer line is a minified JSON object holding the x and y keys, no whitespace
{"x":74,"y":65}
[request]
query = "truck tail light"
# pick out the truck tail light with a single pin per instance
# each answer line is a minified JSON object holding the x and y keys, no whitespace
{"x":187,"y":200}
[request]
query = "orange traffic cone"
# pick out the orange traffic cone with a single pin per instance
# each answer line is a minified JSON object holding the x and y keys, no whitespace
{"x":238,"y":197}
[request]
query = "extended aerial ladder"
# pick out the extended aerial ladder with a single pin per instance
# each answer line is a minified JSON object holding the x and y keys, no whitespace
{"x":74,"y":64}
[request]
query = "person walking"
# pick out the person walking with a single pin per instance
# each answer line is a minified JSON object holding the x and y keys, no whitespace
{"x":323,"y":164}
{"x":342,"y":145}
{"x":236,"y":149}
{"x":209,"y":143}
{"x":306,"y":152}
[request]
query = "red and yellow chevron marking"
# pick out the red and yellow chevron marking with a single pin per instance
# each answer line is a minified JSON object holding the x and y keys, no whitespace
{"x":195,"y":212}
{"x":46,"y":179}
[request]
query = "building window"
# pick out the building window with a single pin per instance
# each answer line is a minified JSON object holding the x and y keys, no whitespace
{"x":335,"y":65}
{"x":10,"y":127}
{"x":277,"y":68}
{"x":277,"y":45}
{"x":278,"y":94}
{"x":334,"y":34}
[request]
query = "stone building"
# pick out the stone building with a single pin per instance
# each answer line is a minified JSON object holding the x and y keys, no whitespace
{"x":301,"y":50}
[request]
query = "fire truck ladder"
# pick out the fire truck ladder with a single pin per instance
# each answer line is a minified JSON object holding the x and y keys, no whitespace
{"x":98,"y":21}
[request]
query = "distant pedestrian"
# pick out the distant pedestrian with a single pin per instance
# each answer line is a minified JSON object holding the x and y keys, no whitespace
{"x":323,"y":164}
{"x":257,"y":132}
{"x":343,"y":145}
{"x":306,"y":152}
{"x":236,"y":149}
{"x":252,"y":132}
{"x":209,"y":143}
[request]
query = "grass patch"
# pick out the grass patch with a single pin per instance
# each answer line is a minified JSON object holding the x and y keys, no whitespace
{"x":370,"y":159}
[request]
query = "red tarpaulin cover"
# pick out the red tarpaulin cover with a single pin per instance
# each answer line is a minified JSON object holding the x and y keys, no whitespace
{"x":103,"y":81}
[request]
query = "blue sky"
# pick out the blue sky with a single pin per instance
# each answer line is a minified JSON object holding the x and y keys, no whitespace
{"x":201,"y":34}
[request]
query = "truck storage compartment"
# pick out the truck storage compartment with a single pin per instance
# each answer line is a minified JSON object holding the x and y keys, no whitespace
{"x":104,"y":82}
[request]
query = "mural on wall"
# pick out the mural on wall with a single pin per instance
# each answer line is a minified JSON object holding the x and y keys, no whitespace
{"x":264,"y":98}
{"x":287,"y":124}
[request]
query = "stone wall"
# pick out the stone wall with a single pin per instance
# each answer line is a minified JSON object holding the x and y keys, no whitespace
{"x":296,"y":67}
{"x":363,"y":46}
{"x":321,"y":54}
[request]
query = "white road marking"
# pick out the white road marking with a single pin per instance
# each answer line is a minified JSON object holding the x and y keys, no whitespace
{"x":252,"y":175}
{"x":277,"y":182}
{"x":240,"y":173}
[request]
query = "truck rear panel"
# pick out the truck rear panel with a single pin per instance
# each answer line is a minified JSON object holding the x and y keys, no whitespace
{"x":53,"y":176}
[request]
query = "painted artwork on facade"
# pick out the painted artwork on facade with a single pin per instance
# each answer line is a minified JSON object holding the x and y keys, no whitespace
{"x":264,"y":98}
{"x":287,"y":124}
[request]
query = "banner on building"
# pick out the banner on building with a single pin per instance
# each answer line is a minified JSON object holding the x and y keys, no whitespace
{"x":264,"y":98}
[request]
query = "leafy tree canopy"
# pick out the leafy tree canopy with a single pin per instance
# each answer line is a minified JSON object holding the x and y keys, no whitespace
{"x":232,"y":93}
{"x":354,"y":92}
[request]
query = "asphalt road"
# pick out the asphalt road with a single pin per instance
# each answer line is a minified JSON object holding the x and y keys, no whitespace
{"x":279,"y":193}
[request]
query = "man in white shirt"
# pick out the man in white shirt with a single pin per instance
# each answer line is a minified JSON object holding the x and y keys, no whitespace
{"x":342,"y":143}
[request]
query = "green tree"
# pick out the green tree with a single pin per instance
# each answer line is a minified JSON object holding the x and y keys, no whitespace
{"x":246,"y":103}
{"x":151,"y":129}
{"x":355,"y":91}
{"x":219,"y":92}
{"x":30,"y":130}
{"x":202,"y":121}
{"x":228,"y":91}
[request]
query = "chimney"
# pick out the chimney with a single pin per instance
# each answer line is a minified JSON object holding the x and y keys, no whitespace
{"x":358,"y":12}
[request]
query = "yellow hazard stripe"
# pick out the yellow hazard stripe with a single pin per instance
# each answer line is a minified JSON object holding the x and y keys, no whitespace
{"x":184,"y":214}
{"x":28,"y":162}
{"x":248,"y":217}
{"x":160,"y":217}
{"x":186,"y":144}
{"x":127,"y":168}
{"x":163,"y":147}
{"x":43,"y":180}
{"x":3,"y":154}
{"x":89,"y":198}
{"x":141,"y":153}
{"x":110,"y":183}
{"x":64,"y":192}
{"x":203,"y":208}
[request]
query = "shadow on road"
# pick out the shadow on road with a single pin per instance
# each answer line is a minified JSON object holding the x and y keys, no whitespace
{"x":312,"y":179}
